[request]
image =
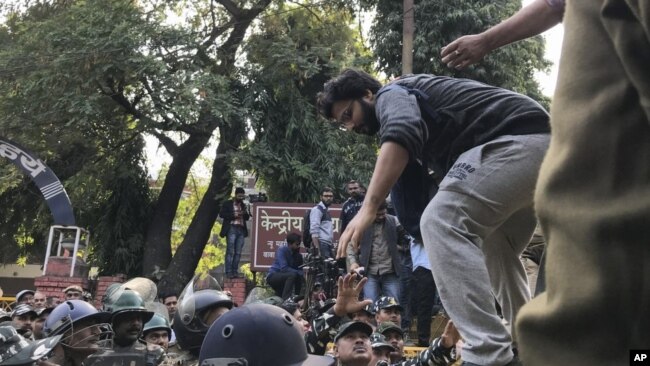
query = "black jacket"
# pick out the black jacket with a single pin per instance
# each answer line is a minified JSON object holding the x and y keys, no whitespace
{"x":396,"y":237}
{"x":227,"y":213}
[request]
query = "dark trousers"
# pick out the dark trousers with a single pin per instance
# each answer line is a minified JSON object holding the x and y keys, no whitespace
{"x":422,"y":302}
{"x":405,"y":290}
{"x":285,"y":284}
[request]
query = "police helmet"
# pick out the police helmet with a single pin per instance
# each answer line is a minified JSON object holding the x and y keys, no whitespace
{"x":67,"y":313}
{"x":189,"y":327}
{"x":257,"y":335}
{"x":157,"y":322}
{"x":128,"y":301}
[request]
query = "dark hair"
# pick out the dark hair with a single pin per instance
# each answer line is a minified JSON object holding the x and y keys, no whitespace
{"x":164,"y":296}
{"x":293,"y":238}
{"x":326,"y":189}
{"x":350,"y":84}
{"x":352,"y":181}
{"x":239,"y":190}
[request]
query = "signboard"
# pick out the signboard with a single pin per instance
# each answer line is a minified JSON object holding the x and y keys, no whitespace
{"x":271,"y":223}
{"x":44,"y":178}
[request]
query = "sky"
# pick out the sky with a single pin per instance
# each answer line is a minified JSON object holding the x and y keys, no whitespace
{"x":553,"y":39}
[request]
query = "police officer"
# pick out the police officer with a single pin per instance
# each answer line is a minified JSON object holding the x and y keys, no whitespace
{"x":258,"y":335}
{"x":82,"y":328}
{"x":16,"y":350}
{"x":441,"y":352}
{"x":128,"y":316}
{"x":157,"y":331}
{"x":42,"y":315}
{"x":22,"y":318}
{"x":194,"y":315}
{"x":381,"y":350}
{"x":366,"y":315}
{"x":352,"y":344}
{"x":387,"y":309}
{"x":395,"y":336}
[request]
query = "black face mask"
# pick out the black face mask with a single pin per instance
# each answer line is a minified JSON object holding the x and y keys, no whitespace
{"x":370,"y":124}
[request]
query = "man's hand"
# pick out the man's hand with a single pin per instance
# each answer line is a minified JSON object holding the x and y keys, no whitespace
{"x":352,"y":234}
{"x":465,"y":51}
{"x":450,"y":335}
{"x":347,"y":300}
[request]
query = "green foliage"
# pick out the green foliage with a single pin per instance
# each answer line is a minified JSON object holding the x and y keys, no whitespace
{"x":438,"y":22}
{"x":122,"y":217}
{"x":79,"y":83}
{"x":295,"y":153}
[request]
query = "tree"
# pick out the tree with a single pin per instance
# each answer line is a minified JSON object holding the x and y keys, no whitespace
{"x":94,"y":62}
{"x":56,"y":113}
{"x":91,"y":78}
{"x":294,"y":152}
{"x":439,"y":22}
{"x":214,"y":252}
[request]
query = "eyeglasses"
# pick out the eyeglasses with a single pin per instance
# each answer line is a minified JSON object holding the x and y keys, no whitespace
{"x":345,"y":117}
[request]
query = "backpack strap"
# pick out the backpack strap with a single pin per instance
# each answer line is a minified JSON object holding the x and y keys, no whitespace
{"x":421,"y":97}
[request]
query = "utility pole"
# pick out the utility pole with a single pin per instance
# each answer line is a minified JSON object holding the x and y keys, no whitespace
{"x":407,"y":37}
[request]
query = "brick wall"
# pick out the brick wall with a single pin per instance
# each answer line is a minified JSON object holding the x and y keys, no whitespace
{"x":102,"y":284}
{"x":54,"y":285}
{"x":237,"y":286}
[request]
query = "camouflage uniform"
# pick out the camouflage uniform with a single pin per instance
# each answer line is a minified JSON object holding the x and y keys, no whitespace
{"x":135,"y":355}
{"x":180,"y":358}
{"x":434,"y":355}
{"x":16,"y":350}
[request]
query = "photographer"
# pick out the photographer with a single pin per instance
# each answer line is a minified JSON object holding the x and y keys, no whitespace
{"x":285,"y":275}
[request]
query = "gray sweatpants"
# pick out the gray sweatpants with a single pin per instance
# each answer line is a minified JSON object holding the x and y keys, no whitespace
{"x":474,"y":231}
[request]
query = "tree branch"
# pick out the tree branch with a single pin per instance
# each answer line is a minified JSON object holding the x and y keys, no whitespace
{"x":167,"y":143}
{"x":308,"y":9}
{"x":231,"y":7}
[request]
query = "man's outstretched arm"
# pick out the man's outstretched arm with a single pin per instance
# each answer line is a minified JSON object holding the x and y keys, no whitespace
{"x":531,"y":20}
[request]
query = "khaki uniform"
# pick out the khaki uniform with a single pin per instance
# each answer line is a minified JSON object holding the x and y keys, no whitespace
{"x":593,"y":194}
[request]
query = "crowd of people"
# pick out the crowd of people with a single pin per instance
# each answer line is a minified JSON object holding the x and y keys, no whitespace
{"x":135,"y":326}
{"x":470,"y":169}
{"x":393,"y":261}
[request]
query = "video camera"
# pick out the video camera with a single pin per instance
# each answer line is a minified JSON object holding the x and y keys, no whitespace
{"x":259,"y":197}
{"x":323,"y":271}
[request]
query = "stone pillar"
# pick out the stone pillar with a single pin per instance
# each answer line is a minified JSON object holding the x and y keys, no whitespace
{"x":237,"y":286}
